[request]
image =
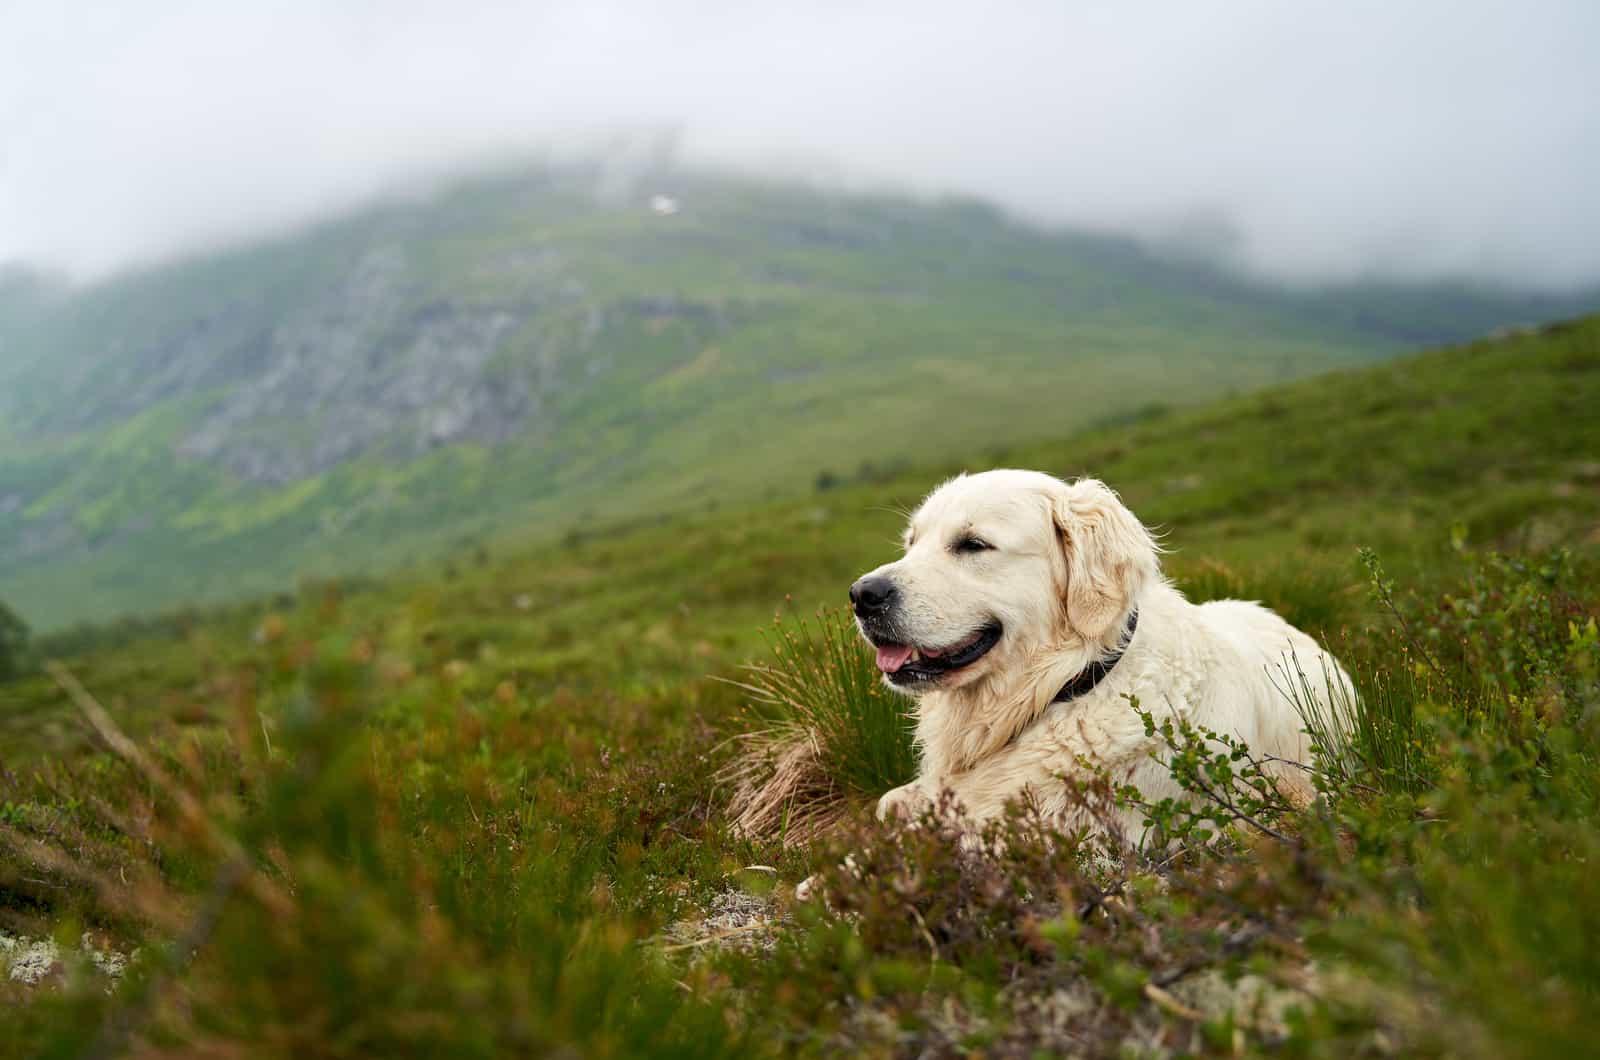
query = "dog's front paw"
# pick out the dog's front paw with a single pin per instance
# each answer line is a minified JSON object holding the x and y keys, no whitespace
{"x":811,"y":886}
{"x":905,"y":803}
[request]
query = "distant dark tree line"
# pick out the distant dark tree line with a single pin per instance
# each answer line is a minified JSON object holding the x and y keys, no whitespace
{"x":13,"y":643}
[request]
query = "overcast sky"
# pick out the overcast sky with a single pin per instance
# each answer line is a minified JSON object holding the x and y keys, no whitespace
{"x":1416,"y":139}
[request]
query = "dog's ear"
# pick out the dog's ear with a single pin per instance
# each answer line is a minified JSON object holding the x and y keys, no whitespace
{"x":1109,"y":555}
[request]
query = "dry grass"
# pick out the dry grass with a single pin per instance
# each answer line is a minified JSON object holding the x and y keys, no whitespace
{"x":783,"y":788}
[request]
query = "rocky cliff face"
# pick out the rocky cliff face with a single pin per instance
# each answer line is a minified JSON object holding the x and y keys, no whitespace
{"x":373,"y":351}
{"x":377,"y":363}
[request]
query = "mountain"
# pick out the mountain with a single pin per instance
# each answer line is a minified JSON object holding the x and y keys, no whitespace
{"x":1489,"y":443}
{"x":551,"y":349}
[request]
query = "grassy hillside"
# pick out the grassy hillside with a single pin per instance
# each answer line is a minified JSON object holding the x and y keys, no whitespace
{"x":487,"y":787}
{"x":531,"y":352}
{"x":1494,"y":439}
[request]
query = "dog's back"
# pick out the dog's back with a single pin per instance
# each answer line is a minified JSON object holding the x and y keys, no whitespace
{"x":1292,"y":676}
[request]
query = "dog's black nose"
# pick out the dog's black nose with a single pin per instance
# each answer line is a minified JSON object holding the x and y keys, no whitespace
{"x":872,"y":595}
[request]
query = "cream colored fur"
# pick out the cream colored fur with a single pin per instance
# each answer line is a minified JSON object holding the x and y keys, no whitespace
{"x":1069,"y":563}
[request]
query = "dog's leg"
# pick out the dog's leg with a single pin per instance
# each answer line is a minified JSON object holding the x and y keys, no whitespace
{"x":907,"y":802}
{"x":1110,"y":740}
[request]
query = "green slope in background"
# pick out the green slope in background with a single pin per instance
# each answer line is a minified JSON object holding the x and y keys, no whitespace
{"x":526,"y":354}
{"x":1493,"y":443}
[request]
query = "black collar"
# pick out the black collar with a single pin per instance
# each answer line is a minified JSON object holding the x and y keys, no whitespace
{"x":1096,"y":671}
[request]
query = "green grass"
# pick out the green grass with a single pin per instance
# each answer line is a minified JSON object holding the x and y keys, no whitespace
{"x":476,"y":805}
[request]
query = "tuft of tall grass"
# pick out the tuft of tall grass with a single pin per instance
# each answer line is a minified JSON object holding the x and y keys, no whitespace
{"x":828,"y":735}
{"x":1374,"y":738}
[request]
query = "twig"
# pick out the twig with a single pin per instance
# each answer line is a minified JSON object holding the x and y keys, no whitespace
{"x":1172,"y":1004}
{"x":1239,"y":942}
{"x":1103,"y":894}
{"x":1316,"y":772}
{"x":922,"y":925}
{"x":188,"y":806}
{"x":1386,"y":597}
{"x":1166,"y":1001}
{"x":717,"y":936}
{"x":1228,"y":804}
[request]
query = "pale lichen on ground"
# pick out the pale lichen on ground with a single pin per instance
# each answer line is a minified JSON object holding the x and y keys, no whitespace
{"x":29,"y":961}
{"x":734,"y":918}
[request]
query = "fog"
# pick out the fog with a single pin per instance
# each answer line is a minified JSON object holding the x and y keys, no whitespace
{"x":1415,"y":140}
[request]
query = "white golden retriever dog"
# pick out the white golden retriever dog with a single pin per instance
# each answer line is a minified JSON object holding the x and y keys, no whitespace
{"x":1024,"y":614}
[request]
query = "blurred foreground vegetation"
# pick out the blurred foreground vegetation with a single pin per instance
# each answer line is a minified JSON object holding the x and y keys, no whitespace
{"x":475,"y":811}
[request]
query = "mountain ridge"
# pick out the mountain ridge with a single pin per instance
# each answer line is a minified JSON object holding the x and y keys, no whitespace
{"x":522,"y":351}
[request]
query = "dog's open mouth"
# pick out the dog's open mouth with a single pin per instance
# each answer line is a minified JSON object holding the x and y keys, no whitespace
{"x":906,"y":664}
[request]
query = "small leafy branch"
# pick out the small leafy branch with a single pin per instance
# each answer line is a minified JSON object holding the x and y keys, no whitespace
{"x":1383,"y":593}
{"x":1234,"y":786}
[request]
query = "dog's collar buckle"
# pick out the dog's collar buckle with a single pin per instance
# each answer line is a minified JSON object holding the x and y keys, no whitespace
{"x":1098,"y":670}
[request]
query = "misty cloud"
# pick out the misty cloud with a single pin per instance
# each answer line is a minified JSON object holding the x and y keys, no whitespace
{"x":1411,"y":140}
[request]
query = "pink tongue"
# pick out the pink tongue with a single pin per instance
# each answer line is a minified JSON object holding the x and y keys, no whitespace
{"x":893,"y":656}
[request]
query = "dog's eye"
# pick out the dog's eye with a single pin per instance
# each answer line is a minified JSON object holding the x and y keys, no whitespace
{"x":971,"y":544}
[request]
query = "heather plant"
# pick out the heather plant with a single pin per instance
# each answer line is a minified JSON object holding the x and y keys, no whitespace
{"x":1029,"y":940}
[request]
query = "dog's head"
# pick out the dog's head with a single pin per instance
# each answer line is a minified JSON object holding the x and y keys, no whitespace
{"x":1000,"y":568}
